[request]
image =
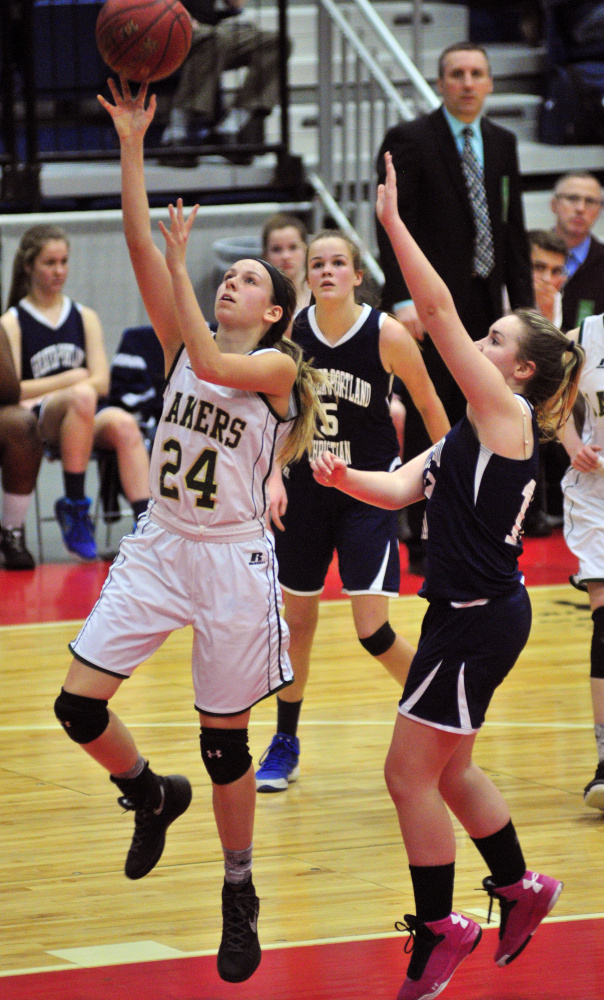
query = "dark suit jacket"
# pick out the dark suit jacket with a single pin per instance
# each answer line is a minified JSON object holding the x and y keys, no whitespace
{"x":434,"y":203}
{"x":583,"y":294}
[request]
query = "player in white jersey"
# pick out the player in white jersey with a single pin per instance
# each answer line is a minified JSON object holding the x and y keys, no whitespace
{"x":478,"y":482}
{"x":202,"y":555}
{"x":583,"y":486}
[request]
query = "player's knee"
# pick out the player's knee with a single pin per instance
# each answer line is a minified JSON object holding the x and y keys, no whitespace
{"x":225,"y":753}
{"x":381,"y":640}
{"x":597,"y":645}
{"x":83,"y":719}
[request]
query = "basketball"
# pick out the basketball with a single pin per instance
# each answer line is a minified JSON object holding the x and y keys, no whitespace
{"x":143,"y":40}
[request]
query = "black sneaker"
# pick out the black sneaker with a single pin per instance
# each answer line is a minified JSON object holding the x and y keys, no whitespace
{"x":150,"y":825}
{"x":13,"y":553}
{"x":593,"y":794}
{"x":239,"y":953}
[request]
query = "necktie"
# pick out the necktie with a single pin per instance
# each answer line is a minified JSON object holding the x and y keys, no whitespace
{"x":484,"y":255}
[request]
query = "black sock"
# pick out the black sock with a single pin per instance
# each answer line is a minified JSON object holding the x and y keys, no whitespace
{"x":433,"y":890}
{"x":288,"y":713}
{"x":144,"y":788}
{"x":74,"y":485}
{"x":138,"y":507}
{"x":503,"y":855}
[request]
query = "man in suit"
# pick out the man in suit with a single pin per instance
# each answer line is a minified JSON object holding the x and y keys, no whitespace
{"x":577,"y":203}
{"x":435,"y":202}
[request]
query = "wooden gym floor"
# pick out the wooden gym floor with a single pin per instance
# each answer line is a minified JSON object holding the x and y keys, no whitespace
{"x":329,"y":864}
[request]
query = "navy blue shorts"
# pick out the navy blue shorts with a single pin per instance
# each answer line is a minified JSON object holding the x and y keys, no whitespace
{"x":462,"y":657}
{"x":320,"y":520}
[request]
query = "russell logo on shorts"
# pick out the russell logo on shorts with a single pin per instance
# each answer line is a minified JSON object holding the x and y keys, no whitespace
{"x":257,"y":559}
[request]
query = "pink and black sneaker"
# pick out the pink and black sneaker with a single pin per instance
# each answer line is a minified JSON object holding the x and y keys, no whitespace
{"x":523,"y":906}
{"x":438,"y":947}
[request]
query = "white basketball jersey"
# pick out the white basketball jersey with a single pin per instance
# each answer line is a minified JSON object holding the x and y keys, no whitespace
{"x":213,"y":451}
{"x":591,"y":382}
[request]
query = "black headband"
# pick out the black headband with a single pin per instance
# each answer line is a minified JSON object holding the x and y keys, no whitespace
{"x":280,"y":293}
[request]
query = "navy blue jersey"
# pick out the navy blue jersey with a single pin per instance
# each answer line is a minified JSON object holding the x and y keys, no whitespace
{"x":476,"y":505}
{"x":360,"y":428}
{"x":50,"y":350}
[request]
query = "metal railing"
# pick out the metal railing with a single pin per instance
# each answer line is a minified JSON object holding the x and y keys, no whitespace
{"x":358,"y":102}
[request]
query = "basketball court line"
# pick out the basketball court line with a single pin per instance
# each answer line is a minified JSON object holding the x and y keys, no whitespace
{"x":564,"y":962}
{"x":137,"y":952}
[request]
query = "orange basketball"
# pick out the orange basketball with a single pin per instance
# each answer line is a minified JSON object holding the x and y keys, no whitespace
{"x":144,"y":40}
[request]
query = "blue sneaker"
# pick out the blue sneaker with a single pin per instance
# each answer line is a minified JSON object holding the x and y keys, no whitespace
{"x":76,"y":527}
{"x":278,"y":764}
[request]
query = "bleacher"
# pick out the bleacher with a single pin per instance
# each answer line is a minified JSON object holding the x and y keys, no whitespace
{"x":69,"y":73}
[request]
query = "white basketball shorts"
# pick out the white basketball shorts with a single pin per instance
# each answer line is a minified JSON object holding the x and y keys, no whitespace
{"x":584,"y":521}
{"x":226,"y":590}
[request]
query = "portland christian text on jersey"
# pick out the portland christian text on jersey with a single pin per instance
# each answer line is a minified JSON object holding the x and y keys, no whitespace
{"x":476,"y":505}
{"x":213,"y":451}
{"x":359,"y":429}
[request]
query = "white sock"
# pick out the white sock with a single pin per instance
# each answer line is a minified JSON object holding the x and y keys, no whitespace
{"x":235,"y":120}
{"x":14,"y":509}
{"x":238,"y":866}
{"x":179,"y":118}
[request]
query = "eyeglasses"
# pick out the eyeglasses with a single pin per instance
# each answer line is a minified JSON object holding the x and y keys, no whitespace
{"x":574,"y":199}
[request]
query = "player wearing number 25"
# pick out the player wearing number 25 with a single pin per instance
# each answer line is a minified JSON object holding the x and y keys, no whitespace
{"x":202,"y":555}
{"x":360,"y":349}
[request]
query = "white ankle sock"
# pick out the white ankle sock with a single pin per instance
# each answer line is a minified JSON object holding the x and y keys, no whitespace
{"x":14,"y":509}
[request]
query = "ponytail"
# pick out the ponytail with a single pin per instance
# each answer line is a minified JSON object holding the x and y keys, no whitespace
{"x":558,"y":361}
{"x":309,"y":385}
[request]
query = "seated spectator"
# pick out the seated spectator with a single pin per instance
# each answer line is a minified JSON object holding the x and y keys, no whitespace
{"x":548,"y":259}
{"x":20,"y":457}
{"x":284,"y":239}
{"x":136,"y":384}
{"x":223,"y":40}
{"x":59,"y":355}
{"x":577,"y":202}
{"x":137,"y":378}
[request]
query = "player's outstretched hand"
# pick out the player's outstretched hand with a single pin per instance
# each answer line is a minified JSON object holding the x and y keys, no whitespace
{"x":386,"y":205}
{"x":586,"y":459}
{"x":177,"y":235}
{"x":329,"y":470}
{"x":130,"y":116}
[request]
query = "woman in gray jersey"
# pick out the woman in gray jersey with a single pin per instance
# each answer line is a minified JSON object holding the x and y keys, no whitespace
{"x":202,"y":555}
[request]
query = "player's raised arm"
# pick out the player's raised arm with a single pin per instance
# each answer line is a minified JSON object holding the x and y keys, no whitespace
{"x":132,"y":117}
{"x":480,"y":382}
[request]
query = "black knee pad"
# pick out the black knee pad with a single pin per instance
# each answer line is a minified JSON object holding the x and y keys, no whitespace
{"x":83,"y":719}
{"x":597,"y":644}
{"x":225,"y":753}
{"x":381,"y":641}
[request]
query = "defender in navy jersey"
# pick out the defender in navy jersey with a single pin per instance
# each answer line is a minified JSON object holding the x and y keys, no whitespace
{"x":60,"y":358}
{"x":478,"y":483}
{"x":358,"y":350}
{"x":583,"y":487}
{"x":203,"y":555}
